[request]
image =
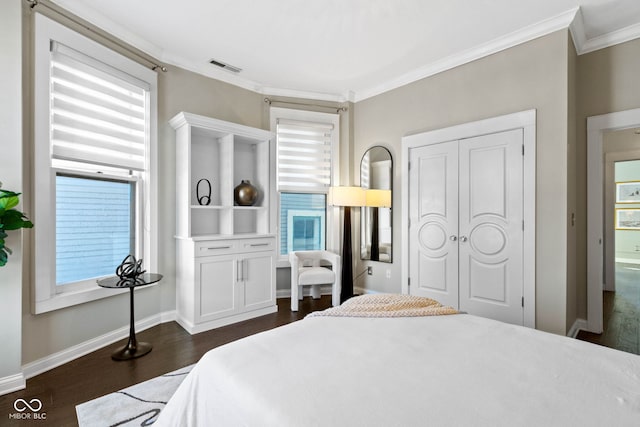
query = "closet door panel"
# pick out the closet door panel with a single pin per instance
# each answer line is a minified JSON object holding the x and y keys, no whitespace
{"x":490,"y":221}
{"x":433,"y":226}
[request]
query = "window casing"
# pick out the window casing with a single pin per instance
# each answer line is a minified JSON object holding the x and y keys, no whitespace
{"x":94,"y":165}
{"x":307,"y":165}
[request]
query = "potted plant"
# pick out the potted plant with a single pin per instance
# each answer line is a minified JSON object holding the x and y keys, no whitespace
{"x":10,"y":219}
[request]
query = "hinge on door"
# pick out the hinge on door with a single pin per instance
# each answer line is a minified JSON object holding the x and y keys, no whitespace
{"x":523,"y":225}
{"x":409,"y":282}
{"x":523,"y":301}
{"x":523,"y":149}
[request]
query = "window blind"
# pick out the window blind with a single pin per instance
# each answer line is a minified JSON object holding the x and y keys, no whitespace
{"x":98,"y":113}
{"x":304,"y":156}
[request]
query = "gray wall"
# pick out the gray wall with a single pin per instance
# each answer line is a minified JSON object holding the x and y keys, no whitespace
{"x":531,"y":75}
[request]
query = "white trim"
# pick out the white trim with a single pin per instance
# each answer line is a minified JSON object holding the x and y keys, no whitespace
{"x":525,"y":120}
{"x":622,"y":35}
{"x":12,"y":383}
{"x":306,"y":291}
{"x":578,"y":325}
{"x":67,"y":355}
{"x":596,"y":126}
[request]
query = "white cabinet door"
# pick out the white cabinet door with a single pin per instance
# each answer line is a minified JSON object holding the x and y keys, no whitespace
{"x":433,"y":224}
{"x":257,"y":280}
{"x":490,"y":222}
{"x":215,"y":282}
{"x":465,"y":228}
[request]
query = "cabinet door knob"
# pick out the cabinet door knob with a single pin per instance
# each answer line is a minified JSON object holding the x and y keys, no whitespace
{"x":453,"y":238}
{"x":463,"y":238}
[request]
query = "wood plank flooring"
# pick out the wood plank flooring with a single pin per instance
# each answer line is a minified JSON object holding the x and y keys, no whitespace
{"x":95,"y":374}
{"x":621,"y":313}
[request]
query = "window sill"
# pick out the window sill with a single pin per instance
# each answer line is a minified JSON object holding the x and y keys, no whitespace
{"x":69,"y":299}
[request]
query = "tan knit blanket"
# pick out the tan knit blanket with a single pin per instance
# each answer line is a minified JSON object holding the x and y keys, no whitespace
{"x":386,"y":305}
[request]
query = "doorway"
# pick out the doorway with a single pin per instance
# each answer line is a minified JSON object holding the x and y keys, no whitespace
{"x":597,"y":127}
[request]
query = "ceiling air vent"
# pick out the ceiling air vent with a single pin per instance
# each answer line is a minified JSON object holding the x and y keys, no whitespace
{"x":225,"y":66}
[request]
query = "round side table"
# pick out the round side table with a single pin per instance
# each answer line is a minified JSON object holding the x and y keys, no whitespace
{"x":133,"y":348}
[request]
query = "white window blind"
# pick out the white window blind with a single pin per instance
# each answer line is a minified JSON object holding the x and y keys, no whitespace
{"x":97,"y":112}
{"x":304,"y":156}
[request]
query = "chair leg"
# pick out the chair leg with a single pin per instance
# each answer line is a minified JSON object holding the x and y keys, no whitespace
{"x":315,"y":291}
{"x":294,"y":298}
{"x":300,"y":293}
{"x":335,"y":296}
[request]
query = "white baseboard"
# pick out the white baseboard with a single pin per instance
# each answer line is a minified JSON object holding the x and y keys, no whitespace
{"x":60,"y":358}
{"x":12,"y":383}
{"x":578,"y":325}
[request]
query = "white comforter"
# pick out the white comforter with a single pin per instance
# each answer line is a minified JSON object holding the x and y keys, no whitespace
{"x":457,"y":370}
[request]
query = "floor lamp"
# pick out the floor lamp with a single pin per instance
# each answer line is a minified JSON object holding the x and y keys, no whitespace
{"x":346,"y":197}
{"x":376,"y":199}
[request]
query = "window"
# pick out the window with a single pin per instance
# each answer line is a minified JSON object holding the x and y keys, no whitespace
{"x":304,"y":229}
{"x":307,"y":152}
{"x":95,"y":226}
{"x":95,"y":118}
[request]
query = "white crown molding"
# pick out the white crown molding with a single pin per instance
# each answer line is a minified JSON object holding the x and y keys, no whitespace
{"x":626,"y":34}
{"x":515,"y":38}
{"x":576,"y":29}
{"x":292,"y":93}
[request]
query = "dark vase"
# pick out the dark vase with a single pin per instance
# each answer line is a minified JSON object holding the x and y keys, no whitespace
{"x":245,"y":194}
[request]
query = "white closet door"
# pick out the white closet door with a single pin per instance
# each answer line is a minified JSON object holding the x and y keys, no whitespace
{"x":491,"y":226}
{"x":433,"y":226}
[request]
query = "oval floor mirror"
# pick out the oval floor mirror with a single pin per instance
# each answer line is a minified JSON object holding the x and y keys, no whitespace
{"x":376,"y":176}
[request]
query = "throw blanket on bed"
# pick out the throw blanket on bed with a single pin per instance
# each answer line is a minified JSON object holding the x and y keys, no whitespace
{"x":387,"y":305}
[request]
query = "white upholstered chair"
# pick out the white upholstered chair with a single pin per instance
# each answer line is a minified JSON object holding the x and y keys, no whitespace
{"x":310,"y":268}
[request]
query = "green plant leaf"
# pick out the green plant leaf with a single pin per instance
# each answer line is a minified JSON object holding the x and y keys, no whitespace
{"x":8,"y":202}
{"x":14,"y":220}
{"x":3,"y":257}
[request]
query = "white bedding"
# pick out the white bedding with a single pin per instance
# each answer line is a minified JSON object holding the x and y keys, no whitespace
{"x":457,"y":370}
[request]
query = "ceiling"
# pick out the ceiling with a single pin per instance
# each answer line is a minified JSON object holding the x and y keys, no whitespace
{"x":347,"y":50}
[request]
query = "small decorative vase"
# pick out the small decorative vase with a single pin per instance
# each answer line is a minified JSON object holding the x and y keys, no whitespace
{"x":245,"y":194}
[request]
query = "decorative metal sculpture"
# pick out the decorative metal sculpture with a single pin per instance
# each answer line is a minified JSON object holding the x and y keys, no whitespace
{"x":130,"y":268}
{"x":205,"y":199}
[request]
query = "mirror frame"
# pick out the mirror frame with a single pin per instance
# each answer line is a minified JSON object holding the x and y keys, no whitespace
{"x":367,"y":213}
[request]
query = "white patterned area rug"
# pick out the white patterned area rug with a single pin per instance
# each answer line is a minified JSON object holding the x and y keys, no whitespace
{"x":138,"y":405}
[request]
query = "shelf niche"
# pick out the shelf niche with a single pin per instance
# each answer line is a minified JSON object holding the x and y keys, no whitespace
{"x":225,"y":154}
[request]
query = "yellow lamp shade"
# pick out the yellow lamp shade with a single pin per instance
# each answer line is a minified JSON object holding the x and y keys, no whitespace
{"x":346,"y":196}
{"x":378,"y":198}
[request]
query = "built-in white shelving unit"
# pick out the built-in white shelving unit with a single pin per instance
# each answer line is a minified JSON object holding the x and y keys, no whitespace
{"x":225,"y":253}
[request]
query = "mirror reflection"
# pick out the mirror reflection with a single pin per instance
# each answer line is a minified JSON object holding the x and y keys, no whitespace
{"x":376,"y":173}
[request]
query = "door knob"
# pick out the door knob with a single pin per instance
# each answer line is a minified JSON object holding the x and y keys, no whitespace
{"x":453,"y":238}
{"x":463,"y":238}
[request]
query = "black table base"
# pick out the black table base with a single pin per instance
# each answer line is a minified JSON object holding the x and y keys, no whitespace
{"x":132,"y":350}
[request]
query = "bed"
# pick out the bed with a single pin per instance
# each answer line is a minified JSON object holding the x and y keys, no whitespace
{"x":411,"y":370}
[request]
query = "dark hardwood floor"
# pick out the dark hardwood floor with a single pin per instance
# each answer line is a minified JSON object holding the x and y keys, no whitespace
{"x":95,"y":374}
{"x":621,"y":313}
